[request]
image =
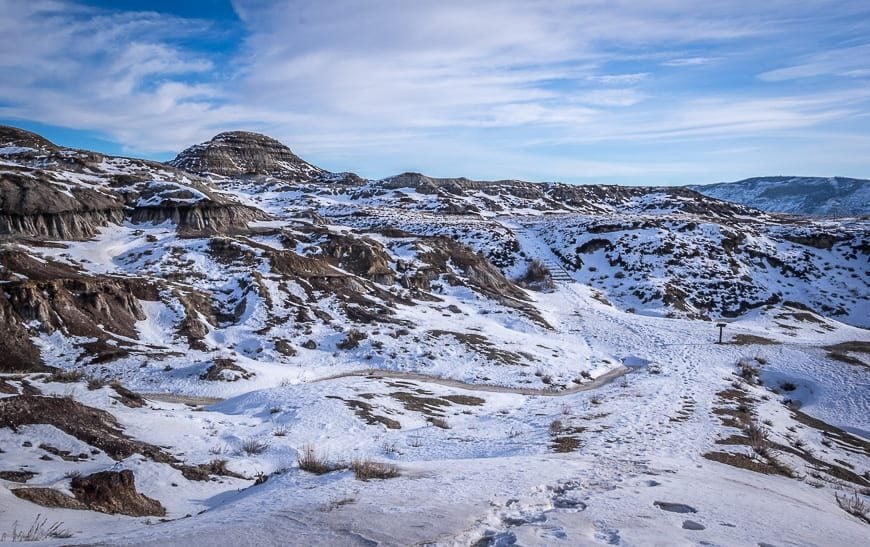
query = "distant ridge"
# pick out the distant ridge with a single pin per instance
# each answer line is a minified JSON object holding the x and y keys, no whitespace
{"x":814,"y":196}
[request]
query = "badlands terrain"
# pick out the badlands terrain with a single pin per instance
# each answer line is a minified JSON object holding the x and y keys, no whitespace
{"x":241,"y":348}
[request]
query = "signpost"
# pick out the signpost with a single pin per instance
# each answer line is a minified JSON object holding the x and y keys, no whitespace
{"x":721,"y":328}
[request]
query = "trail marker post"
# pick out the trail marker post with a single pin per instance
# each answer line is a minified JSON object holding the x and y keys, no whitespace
{"x":721,"y":328}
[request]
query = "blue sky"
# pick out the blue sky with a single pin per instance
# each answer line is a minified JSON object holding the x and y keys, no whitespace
{"x":585,"y":91}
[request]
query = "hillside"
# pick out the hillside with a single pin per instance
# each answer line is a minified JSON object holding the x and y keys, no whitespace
{"x":813,"y":196}
{"x":241,"y":347}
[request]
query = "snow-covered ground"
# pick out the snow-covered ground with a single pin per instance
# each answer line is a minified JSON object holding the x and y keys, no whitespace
{"x":379,"y":322}
{"x":493,"y":473}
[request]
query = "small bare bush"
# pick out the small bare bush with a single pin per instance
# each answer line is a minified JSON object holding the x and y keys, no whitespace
{"x":537,"y":276}
{"x":217,"y":466}
{"x":309,"y":460}
{"x":352,"y":340}
{"x":281,"y":431}
{"x":555,"y":427}
{"x":391,"y":448}
{"x":747,"y":371}
{"x":40,"y":530}
{"x":853,"y":505}
{"x":66,"y":376}
{"x":439,"y":422}
{"x":367,"y":469}
{"x":95,"y":383}
{"x":758,"y":438}
{"x":253,"y":446}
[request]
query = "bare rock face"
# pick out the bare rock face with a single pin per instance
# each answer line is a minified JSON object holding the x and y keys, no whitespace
{"x":207,"y":217}
{"x":31,"y":204}
{"x":15,"y":137}
{"x":46,"y":296}
{"x":58,"y":193}
{"x":241,"y":153}
{"x":114,"y":492}
{"x":362,"y":257}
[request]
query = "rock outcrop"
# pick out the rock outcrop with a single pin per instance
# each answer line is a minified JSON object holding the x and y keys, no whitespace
{"x":114,"y":492}
{"x":32,"y":204}
{"x":242,"y":153}
{"x":57,"y":193}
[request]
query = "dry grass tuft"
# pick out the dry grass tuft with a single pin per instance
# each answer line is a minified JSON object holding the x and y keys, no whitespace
{"x":439,"y":422}
{"x":309,"y":460}
{"x":747,"y":371}
{"x":253,"y":446}
{"x":759,"y":438}
{"x":365,"y":470}
{"x":854,"y":505}
{"x":40,"y":530}
{"x":66,"y":376}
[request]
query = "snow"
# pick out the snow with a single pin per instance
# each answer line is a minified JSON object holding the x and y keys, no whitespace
{"x":14,"y":150}
{"x":466,"y":395}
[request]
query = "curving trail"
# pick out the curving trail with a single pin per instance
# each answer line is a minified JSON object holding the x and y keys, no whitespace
{"x":598,"y":382}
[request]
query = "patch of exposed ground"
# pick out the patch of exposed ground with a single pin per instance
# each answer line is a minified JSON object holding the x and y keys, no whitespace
{"x":749,"y":339}
{"x":737,"y":410}
{"x":366,"y":412}
{"x":112,"y":492}
{"x":479,"y":344}
{"x":90,"y":425}
{"x":841,"y":352}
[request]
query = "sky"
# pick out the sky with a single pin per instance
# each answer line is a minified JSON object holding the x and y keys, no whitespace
{"x":658,"y":92}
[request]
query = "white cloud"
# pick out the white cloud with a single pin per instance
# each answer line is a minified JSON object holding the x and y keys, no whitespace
{"x":852,"y":62}
{"x":345,"y":80}
{"x":619,"y":79}
{"x":689,"y":61}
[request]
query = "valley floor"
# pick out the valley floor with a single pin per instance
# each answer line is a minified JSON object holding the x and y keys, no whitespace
{"x":600,"y":466}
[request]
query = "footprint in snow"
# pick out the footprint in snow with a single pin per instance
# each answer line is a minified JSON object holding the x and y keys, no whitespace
{"x":605,"y":533}
{"x":493,"y":539}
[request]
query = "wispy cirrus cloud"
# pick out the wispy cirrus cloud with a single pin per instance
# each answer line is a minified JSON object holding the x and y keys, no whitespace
{"x":689,"y":61}
{"x":850,"y":62}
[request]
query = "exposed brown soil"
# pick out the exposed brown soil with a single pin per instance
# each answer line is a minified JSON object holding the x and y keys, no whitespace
{"x":856,"y":346}
{"x":225,"y":370}
{"x":465,"y":400}
{"x":429,"y":406}
{"x":745,"y":462}
{"x":480,"y":344}
{"x":90,"y":425}
{"x":17,"y":476}
{"x":564,"y":444}
{"x":126,"y":397}
{"x":112,"y":492}
{"x":366,"y":412}
{"x":750,"y":339}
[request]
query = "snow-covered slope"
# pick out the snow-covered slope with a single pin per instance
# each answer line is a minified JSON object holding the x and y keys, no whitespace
{"x":815,"y":196}
{"x":268,"y":312}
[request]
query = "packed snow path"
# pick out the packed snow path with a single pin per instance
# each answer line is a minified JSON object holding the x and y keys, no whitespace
{"x":598,"y":382}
